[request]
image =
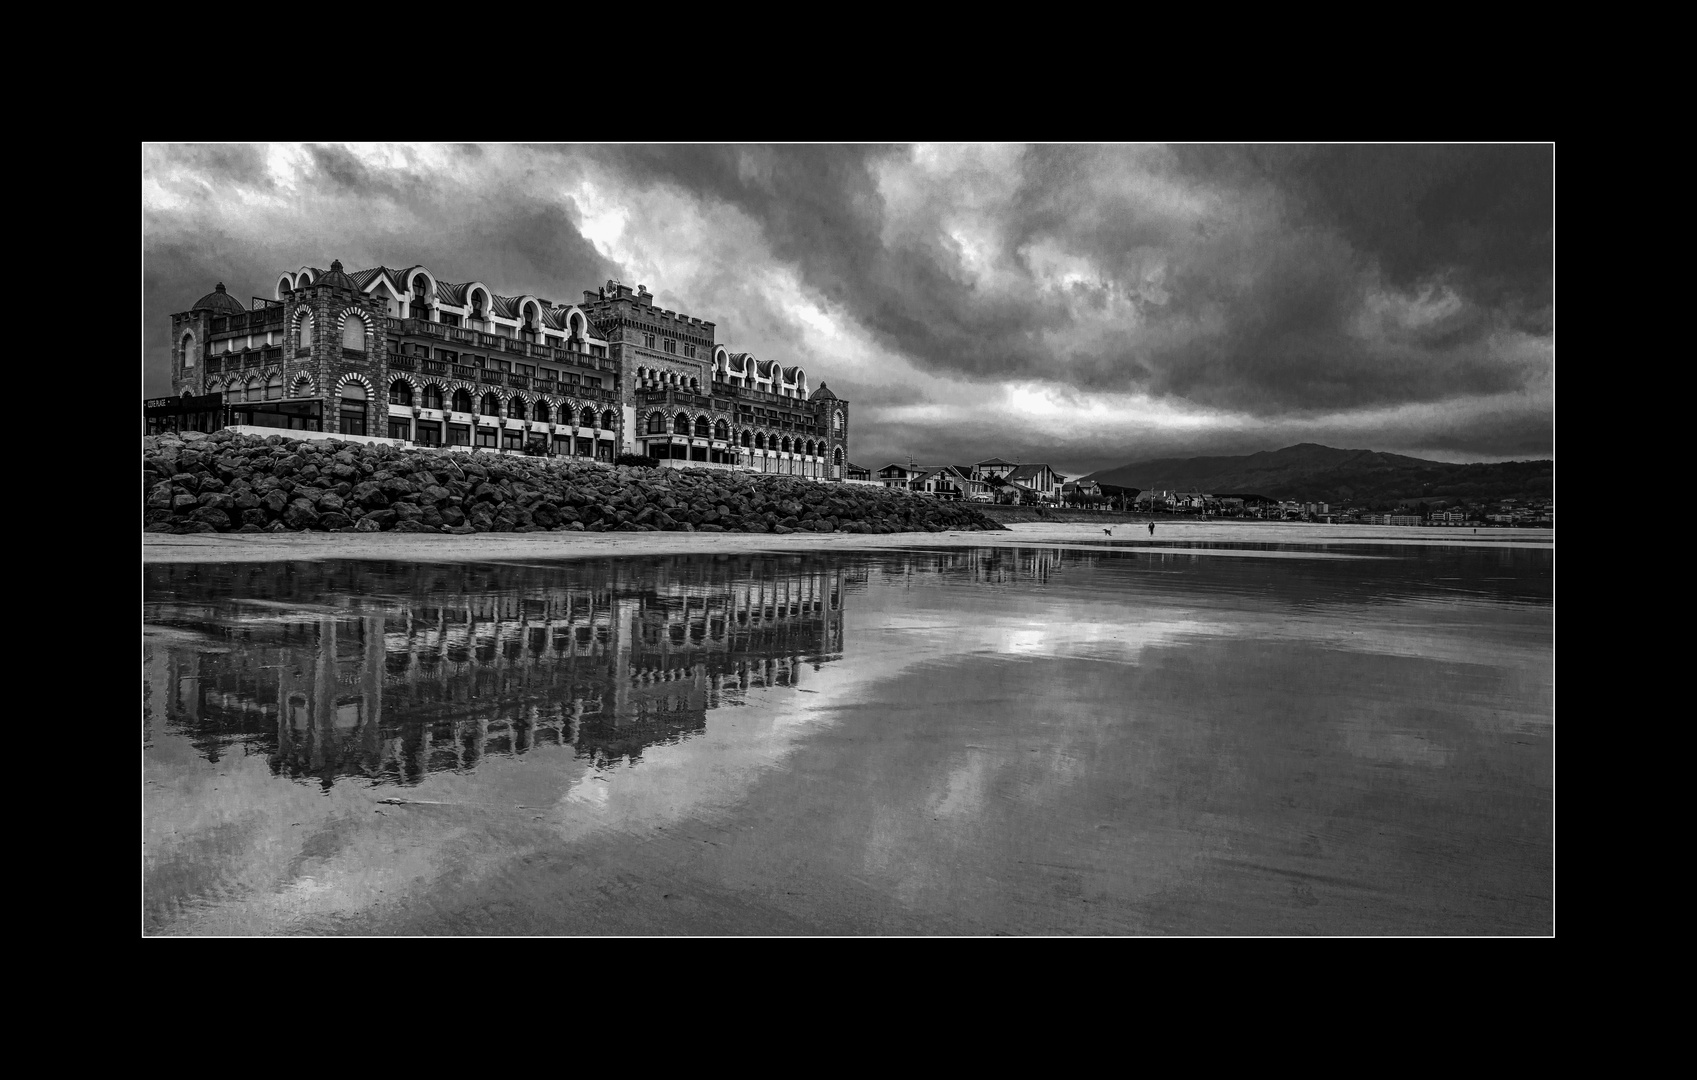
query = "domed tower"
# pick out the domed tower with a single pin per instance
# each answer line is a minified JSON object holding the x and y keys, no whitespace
{"x":831,"y":412}
{"x":337,"y":342}
{"x":190,"y":332}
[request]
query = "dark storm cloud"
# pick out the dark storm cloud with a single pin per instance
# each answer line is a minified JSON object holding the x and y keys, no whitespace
{"x":1482,"y":215}
{"x":821,"y":210}
{"x":1263,"y":285}
{"x":222,"y":164}
{"x":337,"y":166}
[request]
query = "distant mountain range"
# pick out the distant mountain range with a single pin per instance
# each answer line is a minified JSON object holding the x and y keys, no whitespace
{"x":1318,"y":473}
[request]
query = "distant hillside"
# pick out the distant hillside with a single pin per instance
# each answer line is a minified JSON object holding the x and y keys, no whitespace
{"x":1325,"y":474}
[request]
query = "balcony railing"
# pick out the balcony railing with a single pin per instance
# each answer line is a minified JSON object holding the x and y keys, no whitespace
{"x":435,"y":367}
{"x":214,"y":366}
{"x":403,"y":363}
{"x":467,"y":373}
{"x":424,"y":327}
{"x":519,"y":382}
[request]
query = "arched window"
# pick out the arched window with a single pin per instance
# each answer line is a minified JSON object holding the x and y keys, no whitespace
{"x":462,"y":400}
{"x":656,"y":424}
{"x":283,"y":286}
{"x":491,"y":405}
{"x":541,"y":414}
{"x":837,"y":420}
{"x":306,"y":334}
{"x":760,"y":440}
{"x":353,"y":409}
{"x":353,"y":333}
{"x":747,"y":439}
{"x":703,"y":427}
{"x":274,"y":388}
{"x":680,"y":424}
{"x":587,"y":419}
{"x":251,"y":391}
{"x":400,"y":392}
{"x":722,"y":431}
{"x":607,"y":421}
{"x":302,"y":387}
{"x":433,"y":396}
{"x":188,"y":350}
{"x":785,"y":445}
{"x":695,"y":384}
{"x":419,"y":308}
{"x":515,"y":408}
{"x":577,"y":325}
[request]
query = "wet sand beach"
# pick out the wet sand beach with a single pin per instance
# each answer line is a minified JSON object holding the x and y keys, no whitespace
{"x":1277,"y":730}
{"x":417,"y":547}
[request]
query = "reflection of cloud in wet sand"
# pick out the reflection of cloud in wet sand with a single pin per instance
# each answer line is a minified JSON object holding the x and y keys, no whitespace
{"x":961,"y":771}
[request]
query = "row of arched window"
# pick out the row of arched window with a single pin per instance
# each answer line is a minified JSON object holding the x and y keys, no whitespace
{"x":270,"y":390}
{"x":654,"y":377}
{"x":702,"y":428}
{"x":427,"y":296}
{"x":681,"y":425}
{"x":353,"y":332}
{"x":401,"y":393}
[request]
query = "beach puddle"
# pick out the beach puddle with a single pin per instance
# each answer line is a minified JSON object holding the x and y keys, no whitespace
{"x":1055,"y":739}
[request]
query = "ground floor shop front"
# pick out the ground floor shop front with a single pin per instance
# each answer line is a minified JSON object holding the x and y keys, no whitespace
{"x":686,"y":452}
{"x":428,"y":427}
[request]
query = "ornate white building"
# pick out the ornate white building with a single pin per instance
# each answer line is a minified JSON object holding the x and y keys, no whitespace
{"x":400,"y":354}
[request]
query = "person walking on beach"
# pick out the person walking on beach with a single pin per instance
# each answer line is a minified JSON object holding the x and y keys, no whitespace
{"x":1151,"y":528}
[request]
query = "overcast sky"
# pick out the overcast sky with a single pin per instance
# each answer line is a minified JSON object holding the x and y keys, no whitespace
{"x":1081,"y":305}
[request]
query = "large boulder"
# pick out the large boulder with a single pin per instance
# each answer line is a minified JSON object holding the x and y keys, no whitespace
{"x":369,"y":495}
{"x":218,"y":519}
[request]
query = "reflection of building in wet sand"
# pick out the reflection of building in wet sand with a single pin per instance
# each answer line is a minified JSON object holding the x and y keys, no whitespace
{"x":994,"y":565}
{"x":606,"y":662}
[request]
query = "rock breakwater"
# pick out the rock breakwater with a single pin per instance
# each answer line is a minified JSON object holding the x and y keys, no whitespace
{"x":229,"y":482}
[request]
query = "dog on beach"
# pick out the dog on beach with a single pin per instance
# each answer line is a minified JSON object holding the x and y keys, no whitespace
{"x":1107,"y":532}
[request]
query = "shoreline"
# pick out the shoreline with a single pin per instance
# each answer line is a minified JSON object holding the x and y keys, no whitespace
{"x":172,"y":548}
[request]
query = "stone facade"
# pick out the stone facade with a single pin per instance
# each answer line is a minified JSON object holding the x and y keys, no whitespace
{"x":402,"y":354}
